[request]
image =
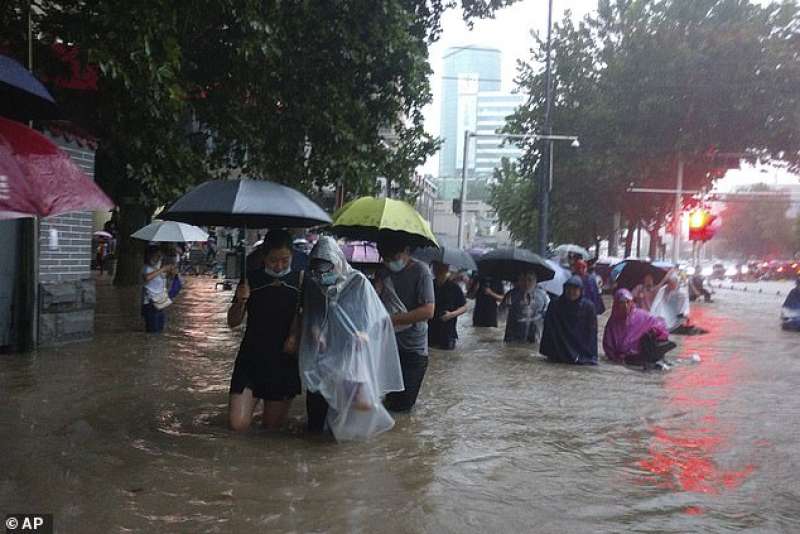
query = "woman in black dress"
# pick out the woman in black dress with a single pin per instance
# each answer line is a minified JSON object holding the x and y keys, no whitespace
{"x":266,"y":366}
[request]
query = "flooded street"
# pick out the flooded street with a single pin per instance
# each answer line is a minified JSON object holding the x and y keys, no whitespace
{"x":127,"y":433}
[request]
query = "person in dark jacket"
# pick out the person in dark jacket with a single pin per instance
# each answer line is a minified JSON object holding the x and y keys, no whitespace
{"x":488,"y":294}
{"x":450,"y":305}
{"x":570,"y":327}
{"x":590,"y":290}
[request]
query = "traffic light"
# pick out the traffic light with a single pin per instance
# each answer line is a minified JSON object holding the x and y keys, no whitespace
{"x":700,"y":228}
{"x":457,"y":206}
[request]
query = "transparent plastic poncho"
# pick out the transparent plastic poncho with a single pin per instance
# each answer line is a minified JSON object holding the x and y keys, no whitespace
{"x":348,"y":351}
{"x":671,"y":305}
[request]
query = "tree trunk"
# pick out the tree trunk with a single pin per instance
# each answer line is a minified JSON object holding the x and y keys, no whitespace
{"x":655,"y":241}
{"x":130,"y":252}
{"x":629,"y":238}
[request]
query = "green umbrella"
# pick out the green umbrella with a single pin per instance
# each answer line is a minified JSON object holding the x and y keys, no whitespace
{"x":368,"y":218}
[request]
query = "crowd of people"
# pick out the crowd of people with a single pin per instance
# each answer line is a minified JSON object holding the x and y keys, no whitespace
{"x":359,"y":346}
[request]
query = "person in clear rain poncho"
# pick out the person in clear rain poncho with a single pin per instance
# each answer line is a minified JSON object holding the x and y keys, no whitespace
{"x":348,"y":352}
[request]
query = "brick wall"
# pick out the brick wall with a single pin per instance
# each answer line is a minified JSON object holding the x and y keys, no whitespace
{"x":66,"y":287}
{"x":71,"y":260}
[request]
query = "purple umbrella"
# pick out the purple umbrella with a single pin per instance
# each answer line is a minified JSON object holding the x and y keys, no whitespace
{"x":22,"y":96}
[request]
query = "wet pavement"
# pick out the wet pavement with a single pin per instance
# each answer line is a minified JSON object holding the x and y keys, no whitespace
{"x":127,"y":433}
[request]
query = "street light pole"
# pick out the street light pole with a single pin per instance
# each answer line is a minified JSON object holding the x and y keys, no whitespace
{"x":547,"y":168}
{"x":518,"y":137}
{"x":676,"y":213}
{"x":467,"y":135}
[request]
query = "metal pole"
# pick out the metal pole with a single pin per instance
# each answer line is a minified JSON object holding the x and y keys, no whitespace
{"x":463,"y":190}
{"x":676,"y":214}
{"x":546,"y":174}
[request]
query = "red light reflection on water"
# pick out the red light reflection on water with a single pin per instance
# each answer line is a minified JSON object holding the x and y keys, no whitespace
{"x":683,"y":455}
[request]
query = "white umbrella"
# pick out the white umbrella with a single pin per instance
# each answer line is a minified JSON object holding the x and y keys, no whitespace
{"x":564,"y":250}
{"x":170,"y":232}
{"x":556,"y":285}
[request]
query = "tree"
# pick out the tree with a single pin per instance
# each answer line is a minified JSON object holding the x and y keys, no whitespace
{"x":296,"y":92}
{"x":758,"y":227}
{"x":645,"y":83}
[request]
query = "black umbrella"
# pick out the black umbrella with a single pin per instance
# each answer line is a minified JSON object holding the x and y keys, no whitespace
{"x":248,"y":204}
{"x":455,"y":257}
{"x":22,"y":96}
{"x":509,"y":263}
{"x":629,"y":273}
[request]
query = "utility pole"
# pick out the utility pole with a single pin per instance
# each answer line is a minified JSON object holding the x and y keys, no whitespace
{"x":461,"y":215}
{"x":547,"y":160}
{"x":676,"y":213}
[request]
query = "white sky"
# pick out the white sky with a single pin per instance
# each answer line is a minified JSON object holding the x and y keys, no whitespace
{"x":510,"y":31}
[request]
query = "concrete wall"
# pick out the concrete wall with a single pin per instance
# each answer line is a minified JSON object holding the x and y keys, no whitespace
{"x":66,"y":287}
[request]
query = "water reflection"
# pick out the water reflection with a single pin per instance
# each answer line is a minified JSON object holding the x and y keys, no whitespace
{"x":128,"y":431}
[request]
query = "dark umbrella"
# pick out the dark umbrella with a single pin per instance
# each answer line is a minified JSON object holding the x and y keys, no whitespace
{"x":22,"y":96}
{"x":248,"y":204}
{"x":629,"y":273}
{"x":455,"y":257}
{"x":38,"y":179}
{"x":509,"y":263}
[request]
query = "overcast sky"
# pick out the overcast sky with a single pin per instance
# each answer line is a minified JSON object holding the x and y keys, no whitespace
{"x":510,"y":31}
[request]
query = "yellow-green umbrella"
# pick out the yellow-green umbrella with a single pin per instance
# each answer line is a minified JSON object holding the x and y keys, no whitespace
{"x":367,"y":218}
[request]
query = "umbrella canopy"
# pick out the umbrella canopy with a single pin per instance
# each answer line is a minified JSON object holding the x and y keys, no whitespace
{"x":368,"y":218}
{"x":556,"y":284}
{"x":509,"y":263}
{"x":454,"y":257}
{"x":22,"y":96}
{"x":564,"y":250}
{"x":38,"y":179}
{"x":477,"y":252}
{"x":629,"y":273}
{"x":101,"y":234}
{"x":361,"y":252}
{"x":246,"y":203}
{"x":170,"y":232}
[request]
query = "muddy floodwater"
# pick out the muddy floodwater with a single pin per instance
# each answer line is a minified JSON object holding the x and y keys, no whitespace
{"x":127,"y":433}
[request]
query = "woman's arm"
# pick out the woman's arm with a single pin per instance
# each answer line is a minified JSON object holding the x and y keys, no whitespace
{"x":157,"y":272}
{"x":238,"y":309}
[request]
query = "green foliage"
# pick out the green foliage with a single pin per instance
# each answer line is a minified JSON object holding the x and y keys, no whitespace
{"x":759,"y":227}
{"x":297,"y":92}
{"x":512,"y":197}
{"x":643,"y":81}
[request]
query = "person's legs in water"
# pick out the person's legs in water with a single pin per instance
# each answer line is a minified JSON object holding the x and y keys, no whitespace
{"x":153,"y":319}
{"x":317,"y":410}
{"x":650,"y":351}
{"x":413,"y":366}
{"x":240,"y":410}
{"x":276,"y":413}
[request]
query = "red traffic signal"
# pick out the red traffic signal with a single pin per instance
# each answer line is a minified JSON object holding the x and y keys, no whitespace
{"x":700,"y":228}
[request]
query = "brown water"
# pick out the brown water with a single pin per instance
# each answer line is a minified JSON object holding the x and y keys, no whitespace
{"x":127,"y":434}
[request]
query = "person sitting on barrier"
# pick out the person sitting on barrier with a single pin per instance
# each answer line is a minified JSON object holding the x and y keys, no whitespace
{"x":672,"y":305}
{"x":570,"y":327}
{"x":634,"y":336}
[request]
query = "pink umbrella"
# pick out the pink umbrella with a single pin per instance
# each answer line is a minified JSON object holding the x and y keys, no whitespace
{"x":361,"y":252}
{"x":38,"y":179}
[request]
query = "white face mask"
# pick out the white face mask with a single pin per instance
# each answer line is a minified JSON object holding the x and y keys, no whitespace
{"x":396,"y":266}
{"x":277,"y":274}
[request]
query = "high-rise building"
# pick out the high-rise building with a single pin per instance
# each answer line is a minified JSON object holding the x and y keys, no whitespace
{"x":493,"y":110}
{"x":467,"y":70}
{"x":472,"y":101}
